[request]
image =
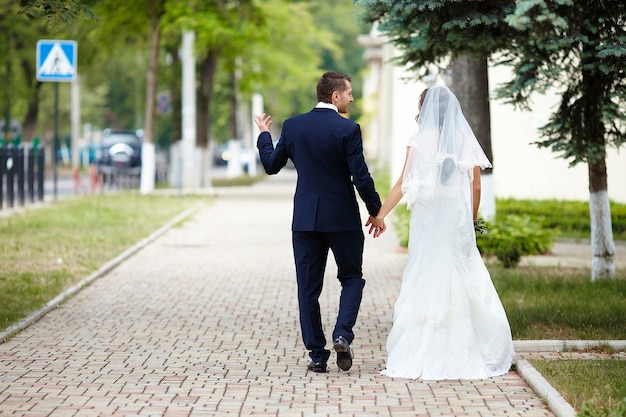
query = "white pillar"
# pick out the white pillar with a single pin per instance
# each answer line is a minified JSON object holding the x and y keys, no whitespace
{"x":257,"y":109}
{"x":190,"y":172}
{"x":234,"y":167}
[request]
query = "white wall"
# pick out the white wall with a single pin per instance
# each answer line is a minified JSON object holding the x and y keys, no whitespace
{"x":522,"y":170}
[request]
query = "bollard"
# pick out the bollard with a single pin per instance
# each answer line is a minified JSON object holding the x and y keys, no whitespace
{"x":94,"y":179}
{"x":10,"y":170}
{"x":31,"y":173}
{"x":40,"y":172}
{"x":19,"y":170}
{"x":2,"y":164}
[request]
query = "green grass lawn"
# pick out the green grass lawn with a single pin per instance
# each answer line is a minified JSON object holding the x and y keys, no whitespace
{"x":45,"y":250}
{"x":578,"y":381}
{"x":561,"y":303}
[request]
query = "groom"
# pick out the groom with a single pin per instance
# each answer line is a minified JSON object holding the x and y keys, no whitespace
{"x":327,"y":151}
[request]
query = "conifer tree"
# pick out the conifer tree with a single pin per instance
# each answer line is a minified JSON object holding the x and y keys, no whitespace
{"x":575,"y":47}
{"x":461,"y":35}
{"x":578,"y":48}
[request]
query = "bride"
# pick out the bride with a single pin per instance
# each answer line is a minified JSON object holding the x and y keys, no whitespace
{"x":448,"y":320}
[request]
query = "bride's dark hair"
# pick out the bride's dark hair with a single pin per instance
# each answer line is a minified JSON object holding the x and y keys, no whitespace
{"x":420,"y":102}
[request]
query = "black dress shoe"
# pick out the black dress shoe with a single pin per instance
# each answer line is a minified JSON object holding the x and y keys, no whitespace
{"x":319,"y":367}
{"x":344,"y":356}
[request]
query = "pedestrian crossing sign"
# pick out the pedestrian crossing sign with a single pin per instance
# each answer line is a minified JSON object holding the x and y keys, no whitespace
{"x":56,"y":60}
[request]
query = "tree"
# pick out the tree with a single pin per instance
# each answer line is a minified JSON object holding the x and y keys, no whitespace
{"x":136,"y":24}
{"x":241,"y":37}
{"x":17,"y":69}
{"x":113,"y":56}
{"x":222,"y":27}
{"x":579,"y":48}
{"x":287,"y":75}
{"x":347,"y":55}
{"x":276,"y":47}
{"x":461,"y":35}
{"x":156,"y":10}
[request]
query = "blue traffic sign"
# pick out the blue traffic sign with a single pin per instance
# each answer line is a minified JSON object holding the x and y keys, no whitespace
{"x":56,"y":60}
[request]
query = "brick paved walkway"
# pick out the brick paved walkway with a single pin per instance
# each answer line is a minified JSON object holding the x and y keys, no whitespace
{"x":203,"y":322}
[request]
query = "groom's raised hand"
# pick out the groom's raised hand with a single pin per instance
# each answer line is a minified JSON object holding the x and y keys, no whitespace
{"x":263,"y":122}
{"x":377,"y":226}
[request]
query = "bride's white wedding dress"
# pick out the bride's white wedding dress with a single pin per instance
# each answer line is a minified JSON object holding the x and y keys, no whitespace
{"x":448,"y":320}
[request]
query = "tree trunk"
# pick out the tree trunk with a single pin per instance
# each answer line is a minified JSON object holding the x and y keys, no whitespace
{"x":175,"y":91}
{"x":234,"y":106}
{"x":148,"y":160}
{"x":470,"y":83}
{"x":207,"y":76}
{"x":592,"y":137}
{"x":602,"y":245}
{"x":29,"y":125}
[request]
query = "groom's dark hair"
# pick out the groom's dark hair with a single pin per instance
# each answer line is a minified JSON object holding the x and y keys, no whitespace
{"x":330,"y":82}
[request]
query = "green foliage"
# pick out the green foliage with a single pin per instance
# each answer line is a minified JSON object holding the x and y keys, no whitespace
{"x":592,"y":409}
{"x":382,"y":178}
{"x":286,"y":75}
{"x":56,"y":13}
{"x":244,"y":180}
{"x":37,"y":265}
{"x":508,"y":239}
{"x":565,"y":218}
{"x":18,"y":38}
{"x":579,"y":49}
{"x":276,"y":47}
{"x":401,"y":220}
{"x":545,"y":220}
{"x":595,"y":387}
{"x":429,"y":32}
{"x":511,"y":237}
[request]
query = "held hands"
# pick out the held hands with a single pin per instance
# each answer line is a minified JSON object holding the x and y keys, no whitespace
{"x":377,"y":226}
{"x":263,"y":122}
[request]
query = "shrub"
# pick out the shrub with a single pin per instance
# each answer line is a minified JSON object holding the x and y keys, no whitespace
{"x":401,"y":219}
{"x":565,"y":217}
{"x":508,"y":238}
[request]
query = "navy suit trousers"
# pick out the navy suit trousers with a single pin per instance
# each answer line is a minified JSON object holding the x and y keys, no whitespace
{"x":311,"y":254}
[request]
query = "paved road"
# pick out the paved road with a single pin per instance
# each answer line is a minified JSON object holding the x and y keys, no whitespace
{"x":203,"y":322}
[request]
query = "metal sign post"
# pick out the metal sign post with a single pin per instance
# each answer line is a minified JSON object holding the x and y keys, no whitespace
{"x":56,"y":62}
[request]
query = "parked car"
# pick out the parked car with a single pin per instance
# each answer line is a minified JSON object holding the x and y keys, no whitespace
{"x":119,"y":153}
{"x":222,"y":155}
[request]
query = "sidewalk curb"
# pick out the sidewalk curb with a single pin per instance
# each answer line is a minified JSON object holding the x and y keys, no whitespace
{"x":556,"y":403}
{"x":52,"y":304}
{"x":565,"y":345}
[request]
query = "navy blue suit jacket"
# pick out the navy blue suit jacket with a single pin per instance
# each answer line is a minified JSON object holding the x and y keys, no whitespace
{"x":327,"y":151}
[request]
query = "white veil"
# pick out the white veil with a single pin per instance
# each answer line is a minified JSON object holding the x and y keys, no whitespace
{"x":443,"y":152}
